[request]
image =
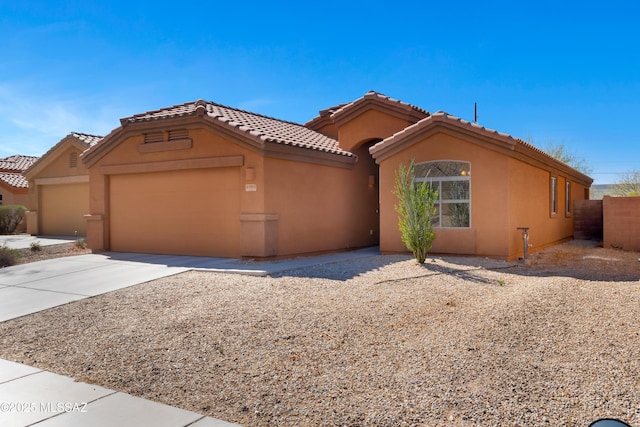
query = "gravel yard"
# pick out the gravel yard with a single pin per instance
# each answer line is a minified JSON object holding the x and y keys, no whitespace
{"x":378,"y":341}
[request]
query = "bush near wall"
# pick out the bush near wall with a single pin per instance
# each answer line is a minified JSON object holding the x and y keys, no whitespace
{"x":10,"y":217}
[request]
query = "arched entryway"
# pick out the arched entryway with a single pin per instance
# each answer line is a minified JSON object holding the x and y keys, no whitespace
{"x":368,"y":194}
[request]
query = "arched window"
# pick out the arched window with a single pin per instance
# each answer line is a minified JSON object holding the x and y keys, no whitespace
{"x":452,"y":180}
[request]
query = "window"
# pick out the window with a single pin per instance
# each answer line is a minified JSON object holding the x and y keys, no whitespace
{"x":567,"y":198}
{"x":554,"y":195}
{"x":452,"y":181}
{"x":73,"y":160}
{"x":0,"y":199}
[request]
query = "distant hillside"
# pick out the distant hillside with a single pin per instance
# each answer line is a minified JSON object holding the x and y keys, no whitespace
{"x":597,"y":192}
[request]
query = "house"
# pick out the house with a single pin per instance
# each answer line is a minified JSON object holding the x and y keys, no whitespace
{"x":58,"y":197}
{"x":489,"y":183}
{"x":13,"y":185}
{"x":202,"y":178}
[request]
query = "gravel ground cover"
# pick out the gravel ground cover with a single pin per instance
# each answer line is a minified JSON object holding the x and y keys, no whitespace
{"x":378,"y":341}
{"x":49,"y":252}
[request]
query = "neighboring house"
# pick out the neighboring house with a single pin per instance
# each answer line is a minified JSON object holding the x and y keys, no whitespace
{"x":13,"y":185}
{"x":205,"y":179}
{"x":59,"y":188}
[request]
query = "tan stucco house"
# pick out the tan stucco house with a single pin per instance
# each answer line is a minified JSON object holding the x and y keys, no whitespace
{"x":59,"y":188}
{"x":202,"y":178}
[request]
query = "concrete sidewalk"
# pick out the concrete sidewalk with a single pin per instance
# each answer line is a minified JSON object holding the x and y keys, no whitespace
{"x":29,"y":395}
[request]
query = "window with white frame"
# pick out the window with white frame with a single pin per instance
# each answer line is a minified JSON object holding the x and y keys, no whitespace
{"x":452,"y":180}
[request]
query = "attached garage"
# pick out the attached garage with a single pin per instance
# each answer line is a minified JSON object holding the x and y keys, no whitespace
{"x":187,"y":212}
{"x":63,"y":207}
{"x":58,"y":198}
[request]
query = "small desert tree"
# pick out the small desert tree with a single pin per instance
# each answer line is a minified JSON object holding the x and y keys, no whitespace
{"x":562,"y":153}
{"x":628,"y":184}
{"x":416,"y":210}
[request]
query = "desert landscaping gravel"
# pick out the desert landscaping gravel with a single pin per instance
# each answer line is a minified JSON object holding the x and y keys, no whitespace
{"x":379,"y":341}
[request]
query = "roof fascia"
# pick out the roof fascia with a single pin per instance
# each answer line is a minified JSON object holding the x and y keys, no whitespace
{"x":238,"y":136}
{"x":318,"y":123}
{"x":300,"y":154}
{"x":492,"y":140}
{"x":362,"y":105}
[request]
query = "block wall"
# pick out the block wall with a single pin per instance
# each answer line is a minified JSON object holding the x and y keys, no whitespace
{"x":587,"y":223}
{"x":621,"y":225}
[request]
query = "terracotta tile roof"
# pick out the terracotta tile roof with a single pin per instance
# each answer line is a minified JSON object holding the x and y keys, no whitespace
{"x":17,"y":163}
{"x":14,"y":179}
{"x":443,"y":117}
{"x":260,"y":128}
{"x":372,"y":95}
{"x":344,"y":112}
{"x":88,"y":139}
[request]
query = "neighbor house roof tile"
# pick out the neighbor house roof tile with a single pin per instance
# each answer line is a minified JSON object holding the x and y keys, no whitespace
{"x":260,"y":128}
{"x":88,"y":139}
{"x":14,"y":179}
{"x":17,"y":163}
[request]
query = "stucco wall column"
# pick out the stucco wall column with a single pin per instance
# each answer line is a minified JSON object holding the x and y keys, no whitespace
{"x":258,"y":234}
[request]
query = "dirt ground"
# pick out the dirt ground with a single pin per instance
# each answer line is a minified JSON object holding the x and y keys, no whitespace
{"x":381,"y":341}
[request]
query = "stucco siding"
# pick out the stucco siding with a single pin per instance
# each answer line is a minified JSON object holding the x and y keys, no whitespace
{"x":322,"y":208}
{"x":62,"y":208}
{"x":191,"y":212}
{"x":489,"y":182}
{"x":372,"y":124}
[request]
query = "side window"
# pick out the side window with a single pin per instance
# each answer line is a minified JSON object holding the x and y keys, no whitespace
{"x":553,"y":191}
{"x":567,"y":198}
{"x":452,"y":181}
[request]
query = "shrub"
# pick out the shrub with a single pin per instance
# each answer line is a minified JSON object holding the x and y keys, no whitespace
{"x":10,"y":217}
{"x":81,"y":243}
{"x":416,"y":210}
{"x":35,"y":246}
{"x":8,"y":256}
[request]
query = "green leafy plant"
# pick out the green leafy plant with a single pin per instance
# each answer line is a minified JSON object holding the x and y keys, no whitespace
{"x":416,"y":209}
{"x":10,"y":217}
{"x":8,"y":256}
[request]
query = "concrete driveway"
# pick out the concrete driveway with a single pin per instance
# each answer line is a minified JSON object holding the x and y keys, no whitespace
{"x":29,"y":288}
{"x":29,"y":395}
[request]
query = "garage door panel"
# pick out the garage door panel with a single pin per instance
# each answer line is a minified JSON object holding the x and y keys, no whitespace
{"x":193,"y":212}
{"x":62,"y":209}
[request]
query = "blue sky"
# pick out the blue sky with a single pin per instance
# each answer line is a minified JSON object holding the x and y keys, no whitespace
{"x":542,"y":71}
